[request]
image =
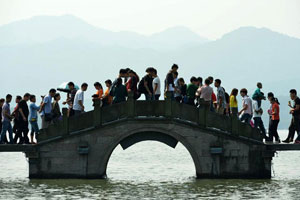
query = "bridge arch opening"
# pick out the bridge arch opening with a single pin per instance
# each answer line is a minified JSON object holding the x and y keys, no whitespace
{"x":148,"y":156}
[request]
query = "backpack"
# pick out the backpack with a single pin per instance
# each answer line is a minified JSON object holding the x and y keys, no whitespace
{"x":227,"y":97}
{"x":141,"y":86}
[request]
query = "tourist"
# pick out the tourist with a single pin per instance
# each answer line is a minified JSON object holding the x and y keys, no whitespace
{"x":182,"y":89}
{"x":191,"y":91}
{"x":295,"y":123}
{"x":233,"y":103}
{"x":22,"y":132}
{"x":79,"y":99}
{"x":6,"y":121}
{"x":156,"y":86}
{"x":99,"y":89}
{"x":246,"y":112}
{"x":131,"y":84}
{"x":123,"y":73}
{"x":213,"y":103}
{"x":204,"y":93}
{"x":270,"y":96}
{"x":16,"y":121}
{"x":33,"y":118}
{"x":258,"y":95}
{"x":275,"y":121}
{"x":70,"y":98}
{"x":56,"y":113}
{"x":107,"y":98}
{"x":2,"y":101}
{"x":46,"y":109}
{"x":120,"y":92}
{"x":257,"y":113}
{"x":169,"y":81}
{"x":177,"y":92}
{"x":146,"y":84}
{"x":126,"y":77}
{"x":199,"y":82}
{"x":221,"y":101}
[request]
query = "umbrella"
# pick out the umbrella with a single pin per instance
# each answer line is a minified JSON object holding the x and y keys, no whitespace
{"x":65,"y":88}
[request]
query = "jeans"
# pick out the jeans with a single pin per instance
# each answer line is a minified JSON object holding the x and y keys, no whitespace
{"x":178,"y":99}
{"x":258,"y":123}
{"x":156,"y":97}
{"x":212,"y":107}
{"x":6,"y":126}
{"x":149,"y":97}
{"x":234,"y":111}
{"x":246,"y":118}
{"x":22,"y":132}
{"x":273,"y":130}
{"x":191,"y":101}
{"x":77,"y":112}
{"x":294,"y":127}
{"x":34,"y":127}
{"x":221,"y":110}
{"x":45,"y":123}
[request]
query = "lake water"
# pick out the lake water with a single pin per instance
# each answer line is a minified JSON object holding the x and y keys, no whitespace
{"x":151,"y":170}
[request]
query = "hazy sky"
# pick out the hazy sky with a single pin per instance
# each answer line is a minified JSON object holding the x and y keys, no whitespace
{"x":209,"y":18}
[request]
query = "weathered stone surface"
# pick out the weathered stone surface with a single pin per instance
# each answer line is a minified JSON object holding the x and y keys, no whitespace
{"x":61,"y":159}
{"x":80,"y":147}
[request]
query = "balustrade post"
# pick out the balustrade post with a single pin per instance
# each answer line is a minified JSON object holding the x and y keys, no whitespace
{"x":130,"y":105}
{"x":235,"y":124}
{"x":65,"y":121}
{"x":168,"y":104}
{"x":204,"y":109}
{"x":97,"y":112}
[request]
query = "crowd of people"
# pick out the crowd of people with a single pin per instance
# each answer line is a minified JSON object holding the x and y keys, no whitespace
{"x":196,"y":93}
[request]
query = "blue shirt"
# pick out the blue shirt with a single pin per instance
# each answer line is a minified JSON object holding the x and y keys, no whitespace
{"x":33,"y":112}
{"x":47,"y":107}
{"x":5,"y":108}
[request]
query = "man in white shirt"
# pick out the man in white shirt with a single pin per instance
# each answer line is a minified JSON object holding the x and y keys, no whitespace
{"x":156,"y":85}
{"x":257,"y":113}
{"x":78,"y":106}
{"x":205,"y":92}
{"x":246,"y":111}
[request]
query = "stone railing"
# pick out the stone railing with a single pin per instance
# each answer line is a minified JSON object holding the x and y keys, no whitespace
{"x":131,"y":109}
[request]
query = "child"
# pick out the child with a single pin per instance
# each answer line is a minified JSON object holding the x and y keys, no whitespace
{"x":33,"y":118}
{"x":258,"y":95}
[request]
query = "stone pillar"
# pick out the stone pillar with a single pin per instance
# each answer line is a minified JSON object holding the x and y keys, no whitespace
{"x":168,"y":104}
{"x":130,"y":105}
{"x":97,"y":113}
{"x":203,"y":112}
{"x":234,"y":124}
{"x":65,"y":121}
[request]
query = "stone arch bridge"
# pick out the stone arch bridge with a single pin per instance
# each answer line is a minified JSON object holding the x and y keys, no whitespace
{"x":80,"y":146}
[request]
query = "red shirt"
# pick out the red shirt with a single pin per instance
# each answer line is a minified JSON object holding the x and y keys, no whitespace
{"x":213,"y":97}
{"x":275,"y":108}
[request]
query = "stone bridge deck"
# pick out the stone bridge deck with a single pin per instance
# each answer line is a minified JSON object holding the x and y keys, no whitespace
{"x":145,"y":110}
{"x":80,"y":146}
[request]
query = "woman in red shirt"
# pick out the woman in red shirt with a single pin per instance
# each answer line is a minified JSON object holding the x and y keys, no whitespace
{"x":274,"y":121}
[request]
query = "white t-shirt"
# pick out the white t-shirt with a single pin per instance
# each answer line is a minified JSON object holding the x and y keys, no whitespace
{"x":156,"y":80}
{"x":171,"y":88}
{"x":78,"y":96}
{"x":255,"y":109}
{"x":247,"y":101}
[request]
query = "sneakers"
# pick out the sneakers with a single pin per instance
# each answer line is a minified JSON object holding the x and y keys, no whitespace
{"x":297,"y":141}
{"x":278,"y":142}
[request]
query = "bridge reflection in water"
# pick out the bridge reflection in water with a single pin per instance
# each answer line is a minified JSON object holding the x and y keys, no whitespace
{"x":80,"y":146}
